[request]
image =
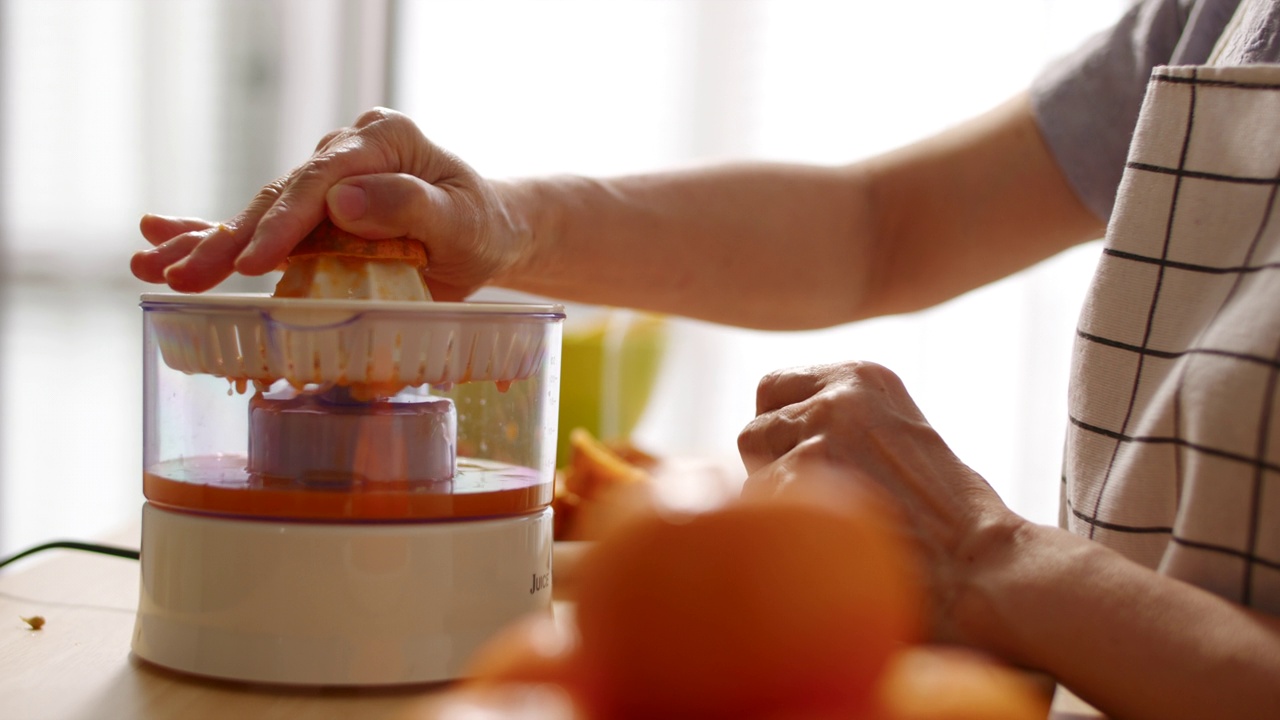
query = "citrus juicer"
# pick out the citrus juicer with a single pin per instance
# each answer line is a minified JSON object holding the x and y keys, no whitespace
{"x":342,"y":491}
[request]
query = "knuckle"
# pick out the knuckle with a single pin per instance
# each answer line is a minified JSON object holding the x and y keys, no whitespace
{"x":814,"y":449}
{"x":381,"y":119}
{"x":375,"y":114}
{"x":749,"y":436}
{"x":841,"y":397}
{"x":273,"y":189}
{"x":770,"y":381}
{"x":876,"y":374}
{"x":329,"y":137}
{"x":319,"y":170}
{"x":319,"y":166}
{"x":266,"y":197}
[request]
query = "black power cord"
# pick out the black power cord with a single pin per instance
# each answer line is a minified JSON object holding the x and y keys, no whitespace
{"x":127,"y":553}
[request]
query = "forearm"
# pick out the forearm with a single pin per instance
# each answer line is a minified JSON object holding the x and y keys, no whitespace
{"x":760,"y":245}
{"x":791,"y":246}
{"x":1133,"y":643}
{"x":970,"y":206}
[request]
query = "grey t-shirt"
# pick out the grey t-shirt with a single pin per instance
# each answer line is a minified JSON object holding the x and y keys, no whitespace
{"x":1087,"y":103}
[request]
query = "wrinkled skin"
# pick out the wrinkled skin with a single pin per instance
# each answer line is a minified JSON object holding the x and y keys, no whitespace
{"x":855,"y":420}
{"x":380,"y":178}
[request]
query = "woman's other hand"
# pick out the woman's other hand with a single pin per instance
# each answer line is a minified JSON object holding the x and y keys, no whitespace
{"x":856,"y":421}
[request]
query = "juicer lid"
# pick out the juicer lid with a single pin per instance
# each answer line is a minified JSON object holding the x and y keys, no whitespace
{"x":262,"y":301}
{"x":253,"y":337}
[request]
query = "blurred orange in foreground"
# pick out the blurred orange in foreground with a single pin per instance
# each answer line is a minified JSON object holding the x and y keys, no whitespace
{"x":807,"y":606}
{"x":934,"y":683}
{"x":509,"y":701}
{"x":538,"y":648}
{"x":752,"y":608}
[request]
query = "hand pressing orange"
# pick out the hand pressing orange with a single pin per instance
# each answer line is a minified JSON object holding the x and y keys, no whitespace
{"x":380,"y":178}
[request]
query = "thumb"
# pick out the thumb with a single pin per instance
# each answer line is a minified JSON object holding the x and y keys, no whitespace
{"x":386,"y":206}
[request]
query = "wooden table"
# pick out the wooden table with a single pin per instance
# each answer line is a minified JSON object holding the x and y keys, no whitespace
{"x":78,"y":666}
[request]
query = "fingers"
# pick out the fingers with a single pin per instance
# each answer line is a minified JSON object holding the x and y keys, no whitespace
{"x":768,"y":437}
{"x":382,"y":141}
{"x":781,"y":423}
{"x":194,"y":255}
{"x":785,"y":387}
{"x":270,"y":200}
{"x":801,"y":404}
{"x":213,"y":257}
{"x":366,"y":118}
{"x":174,"y":238}
{"x":401,"y":205}
{"x":299,"y":203}
{"x":159,"y":229}
{"x":292,"y":205}
{"x":149,"y":265}
{"x":374,"y":179}
{"x":374,"y":115}
{"x":388,"y":205}
{"x":328,"y":138}
{"x":208,"y":262}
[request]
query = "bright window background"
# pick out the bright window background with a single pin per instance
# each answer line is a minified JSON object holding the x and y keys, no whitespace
{"x":112,"y":108}
{"x":627,"y":86}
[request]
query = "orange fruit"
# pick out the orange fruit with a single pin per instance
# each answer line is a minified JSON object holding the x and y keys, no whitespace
{"x":594,"y":467}
{"x":329,"y":239}
{"x":537,"y":648}
{"x":564,"y":506}
{"x":333,"y":263}
{"x":602,"y":485}
{"x":508,"y":701}
{"x":936,"y":683}
{"x":750,"y":609}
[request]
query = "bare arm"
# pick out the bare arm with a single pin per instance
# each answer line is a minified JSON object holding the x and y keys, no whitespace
{"x":1134,"y":643}
{"x":791,"y":246}
{"x":762,"y":245}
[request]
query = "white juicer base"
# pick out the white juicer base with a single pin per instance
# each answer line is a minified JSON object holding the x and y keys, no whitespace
{"x":333,"y":604}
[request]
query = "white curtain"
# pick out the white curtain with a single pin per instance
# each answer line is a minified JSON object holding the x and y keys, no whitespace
{"x":117,"y":107}
{"x":112,"y":108}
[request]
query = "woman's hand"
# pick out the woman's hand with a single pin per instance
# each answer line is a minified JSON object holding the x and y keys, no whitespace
{"x":857,"y":422}
{"x":381,"y":178}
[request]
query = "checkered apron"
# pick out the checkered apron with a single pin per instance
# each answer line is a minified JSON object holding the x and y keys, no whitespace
{"x":1173,"y":448}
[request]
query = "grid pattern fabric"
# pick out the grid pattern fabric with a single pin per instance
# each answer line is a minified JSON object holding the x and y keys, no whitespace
{"x":1173,"y":447}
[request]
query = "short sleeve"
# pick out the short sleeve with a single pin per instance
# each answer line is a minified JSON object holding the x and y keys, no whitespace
{"x":1087,"y":103}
